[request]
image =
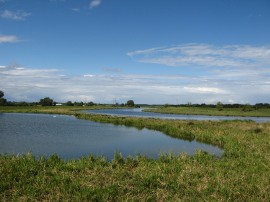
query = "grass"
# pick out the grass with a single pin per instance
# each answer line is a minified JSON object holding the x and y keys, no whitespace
{"x":68,"y":110}
{"x":263,"y":112}
{"x":242,"y":174}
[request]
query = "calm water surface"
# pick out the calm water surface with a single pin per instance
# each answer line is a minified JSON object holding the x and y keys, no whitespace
{"x":71,"y":138}
{"x":137,"y":112}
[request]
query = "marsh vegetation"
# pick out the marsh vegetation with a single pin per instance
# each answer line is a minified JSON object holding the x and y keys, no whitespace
{"x":241,"y":174}
{"x":215,"y":110}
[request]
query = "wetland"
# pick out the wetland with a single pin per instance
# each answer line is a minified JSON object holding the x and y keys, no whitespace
{"x":241,"y":174}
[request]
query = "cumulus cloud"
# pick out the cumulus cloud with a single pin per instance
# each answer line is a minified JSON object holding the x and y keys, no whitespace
{"x":31,"y":84}
{"x":15,"y":15}
{"x":94,"y":3}
{"x":8,"y":39}
{"x":233,"y":74}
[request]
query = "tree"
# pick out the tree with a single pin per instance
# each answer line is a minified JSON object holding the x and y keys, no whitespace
{"x":166,"y":105}
{"x":69,"y":103}
{"x":1,"y":94}
{"x":219,"y":106}
{"x":46,"y":101}
{"x":130,"y":103}
{"x":3,"y":101}
{"x":90,"y":103}
{"x":247,"y":108}
{"x":78,"y":103}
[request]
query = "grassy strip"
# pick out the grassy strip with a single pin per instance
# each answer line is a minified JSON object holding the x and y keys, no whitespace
{"x":242,"y":174}
{"x":67,"y":110}
{"x":212,"y":111}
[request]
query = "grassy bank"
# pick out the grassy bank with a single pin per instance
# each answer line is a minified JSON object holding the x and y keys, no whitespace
{"x":68,"y":110}
{"x":265,"y":112}
{"x":242,"y":174}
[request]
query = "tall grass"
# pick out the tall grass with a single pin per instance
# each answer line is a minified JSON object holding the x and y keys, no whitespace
{"x":242,"y":174}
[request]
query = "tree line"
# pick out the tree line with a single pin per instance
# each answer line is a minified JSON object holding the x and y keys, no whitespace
{"x":47,"y":101}
{"x":221,"y":105}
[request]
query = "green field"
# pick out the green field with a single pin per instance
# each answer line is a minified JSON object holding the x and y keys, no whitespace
{"x":242,"y":174}
{"x":263,"y":112}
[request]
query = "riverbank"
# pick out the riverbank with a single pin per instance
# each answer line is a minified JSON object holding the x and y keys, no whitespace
{"x":67,"y":110}
{"x":210,"y":111}
{"x":242,"y":174}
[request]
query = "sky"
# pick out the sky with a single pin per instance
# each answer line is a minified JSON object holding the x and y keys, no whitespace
{"x":153,"y":52}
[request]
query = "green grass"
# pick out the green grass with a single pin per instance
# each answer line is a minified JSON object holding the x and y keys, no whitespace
{"x":212,"y":111}
{"x":242,"y":174}
{"x":68,"y":110}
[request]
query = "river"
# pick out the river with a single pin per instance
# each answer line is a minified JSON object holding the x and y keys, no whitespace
{"x":138,"y":112}
{"x":72,"y":138}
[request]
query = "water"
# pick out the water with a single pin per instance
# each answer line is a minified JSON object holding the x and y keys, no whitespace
{"x":72,"y":138}
{"x":137,"y":112}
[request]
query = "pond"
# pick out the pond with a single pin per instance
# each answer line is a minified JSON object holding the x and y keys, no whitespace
{"x":72,"y":138}
{"x":138,"y":112}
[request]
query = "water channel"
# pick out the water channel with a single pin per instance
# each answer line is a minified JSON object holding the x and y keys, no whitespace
{"x":138,"y":112}
{"x":72,"y":138}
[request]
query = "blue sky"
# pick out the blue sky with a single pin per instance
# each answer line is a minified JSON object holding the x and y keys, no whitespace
{"x":154,"y":51}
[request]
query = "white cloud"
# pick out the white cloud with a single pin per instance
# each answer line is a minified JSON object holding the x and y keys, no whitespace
{"x":205,"y":55}
{"x":31,"y":84}
{"x":75,"y":9}
{"x":88,"y":75}
{"x":94,"y":3}
{"x":249,"y":52}
{"x":8,"y":39}
{"x":205,"y":90}
{"x":144,"y":52}
{"x":17,"y":15}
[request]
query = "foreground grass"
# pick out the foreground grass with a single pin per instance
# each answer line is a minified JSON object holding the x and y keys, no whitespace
{"x":242,"y":174}
{"x":212,"y":111}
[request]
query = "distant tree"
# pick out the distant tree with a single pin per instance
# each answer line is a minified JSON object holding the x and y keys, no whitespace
{"x":203,"y":105}
{"x":90,"y":103}
{"x":247,"y":108}
{"x":219,"y":106}
{"x":3,"y":101}
{"x":130,"y":103}
{"x":1,"y":94}
{"x":78,"y":103}
{"x":46,"y":101}
{"x":22,"y":103}
{"x":69,"y":103}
